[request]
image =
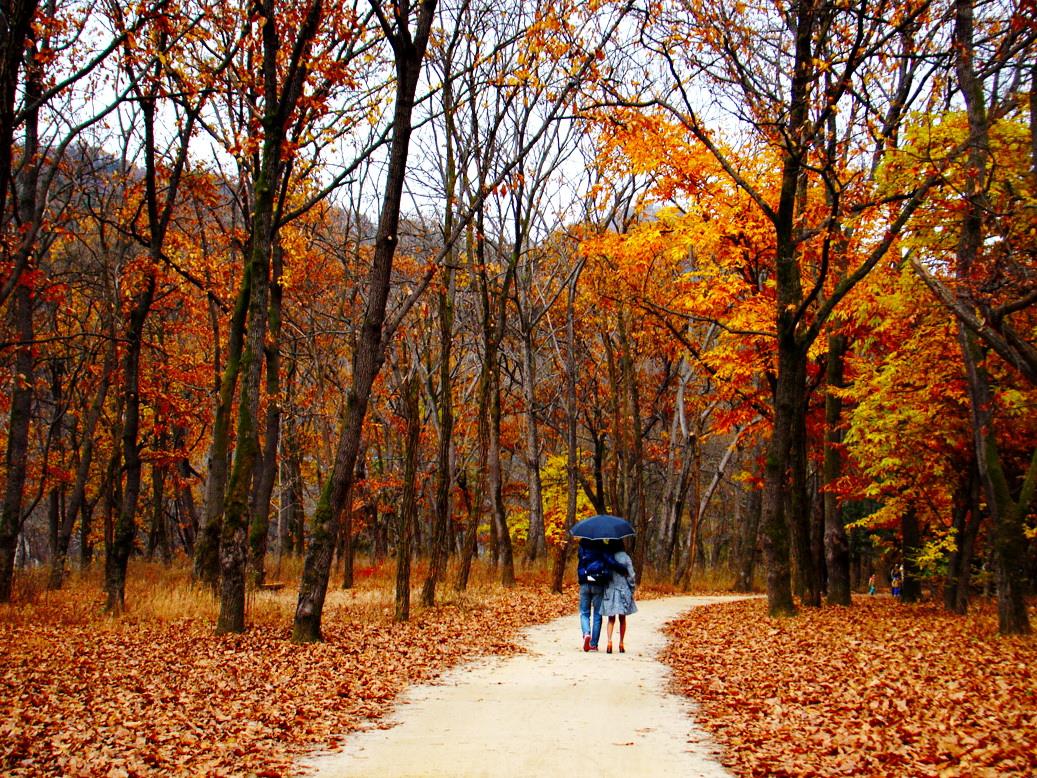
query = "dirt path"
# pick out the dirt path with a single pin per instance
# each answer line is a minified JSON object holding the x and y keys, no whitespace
{"x":553,"y":711}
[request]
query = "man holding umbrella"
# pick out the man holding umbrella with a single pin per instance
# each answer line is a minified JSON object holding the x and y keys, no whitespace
{"x":594,"y":568}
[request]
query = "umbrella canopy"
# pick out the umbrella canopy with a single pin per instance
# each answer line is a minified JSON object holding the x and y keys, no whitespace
{"x":602,"y":527}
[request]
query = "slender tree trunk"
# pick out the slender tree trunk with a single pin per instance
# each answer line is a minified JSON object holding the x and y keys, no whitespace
{"x":966,"y":521}
{"x":118,"y":552}
{"x":471,"y":535}
{"x":445,"y":307}
{"x":187,"y":511}
{"x":207,"y":548}
{"x":535,"y":540}
{"x":572,"y":409}
{"x":264,"y":488}
{"x":233,"y":548}
{"x":744,"y":573}
{"x":158,"y":532}
{"x":507,"y":560}
{"x":17,"y":439}
{"x":837,"y":547}
{"x":409,"y":508}
{"x":369,"y":356}
{"x":799,"y":513}
{"x":1008,"y":514}
{"x":16,"y":52}
{"x":86,"y":453}
{"x":642,"y":520}
{"x":789,"y":391}
{"x":910,"y":586}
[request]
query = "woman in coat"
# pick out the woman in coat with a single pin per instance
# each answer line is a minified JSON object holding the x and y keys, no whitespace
{"x":618,"y":599}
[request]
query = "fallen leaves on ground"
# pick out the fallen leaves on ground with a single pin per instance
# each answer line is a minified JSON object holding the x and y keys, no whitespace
{"x":119,"y":698}
{"x":878,"y":689}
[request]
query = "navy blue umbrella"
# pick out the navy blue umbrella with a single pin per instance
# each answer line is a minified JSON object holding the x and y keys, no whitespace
{"x":602,"y":527}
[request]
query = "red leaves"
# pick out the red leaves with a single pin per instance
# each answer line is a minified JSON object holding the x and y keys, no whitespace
{"x":157,"y":698}
{"x":879,"y":689}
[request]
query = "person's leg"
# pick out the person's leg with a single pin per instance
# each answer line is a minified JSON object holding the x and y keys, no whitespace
{"x":622,"y":632}
{"x":585,"y":615}
{"x":612,"y":624}
{"x":596,"y":597}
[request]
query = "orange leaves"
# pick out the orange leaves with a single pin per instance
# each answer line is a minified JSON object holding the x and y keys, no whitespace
{"x":880,"y":689}
{"x":160,"y":699}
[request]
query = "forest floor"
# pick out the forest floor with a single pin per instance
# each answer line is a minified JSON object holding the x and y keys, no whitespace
{"x":877,"y":689}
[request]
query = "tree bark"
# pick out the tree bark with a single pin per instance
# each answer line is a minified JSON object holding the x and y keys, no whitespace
{"x":966,"y":521}
{"x":369,"y":356}
{"x":910,"y":585}
{"x":118,"y":552}
{"x":571,"y":408}
{"x":1008,"y":514}
{"x":86,"y":454}
{"x":14,"y":53}
{"x":409,"y":506}
{"x":837,"y":546}
{"x":445,"y":407}
{"x":259,"y":530}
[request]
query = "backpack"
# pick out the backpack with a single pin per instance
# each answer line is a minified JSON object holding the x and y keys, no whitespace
{"x":598,"y":571}
{"x":594,"y":566}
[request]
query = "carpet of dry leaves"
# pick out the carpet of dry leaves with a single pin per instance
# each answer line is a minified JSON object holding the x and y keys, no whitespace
{"x":877,"y":689}
{"x":87,"y":695}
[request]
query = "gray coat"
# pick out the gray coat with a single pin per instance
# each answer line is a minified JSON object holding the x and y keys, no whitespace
{"x":619,"y":594}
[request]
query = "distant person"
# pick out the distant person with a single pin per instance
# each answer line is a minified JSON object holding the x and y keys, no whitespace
{"x":594,"y":569}
{"x":871,"y":584}
{"x":618,"y":600}
{"x":895,"y":579}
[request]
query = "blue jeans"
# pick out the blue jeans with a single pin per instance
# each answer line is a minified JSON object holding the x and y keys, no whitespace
{"x":590,"y":598}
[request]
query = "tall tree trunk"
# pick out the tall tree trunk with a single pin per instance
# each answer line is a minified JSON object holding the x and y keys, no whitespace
{"x":571,"y":411}
{"x":632,"y":393}
{"x":788,"y":393}
{"x":470,"y":540}
{"x":910,"y":585}
{"x":76,"y":502}
{"x":683,"y":575}
{"x":259,"y":530}
{"x":16,"y":461}
{"x":158,"y":532}
{"x":837,"y":546}
{"x":445,"y":407}
{"x":278,"y":107}
{"x":409,"y":507}
{"x":500,"y":521}
{"x":125,"y":529}
{"x":14,"y":53}
{"x":292,"y":521}
{"x":746,"y":562}
{"x":535,"y":541}
{"x":187,"y":511}
{"x":17,"y":51}
{"x":207,"y":548}
{"x":966,"y":521}
{"x":409,"y":53}
{"x":1008,"y":514}
{"x":799,"y":510}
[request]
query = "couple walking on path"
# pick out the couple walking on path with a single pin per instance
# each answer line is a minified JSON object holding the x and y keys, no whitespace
{"x":607,"y":583}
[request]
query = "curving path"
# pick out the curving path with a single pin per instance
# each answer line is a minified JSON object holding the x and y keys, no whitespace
{"x":553,"y":711}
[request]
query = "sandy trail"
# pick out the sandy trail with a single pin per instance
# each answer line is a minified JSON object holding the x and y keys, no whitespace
{"x":553,"y":711}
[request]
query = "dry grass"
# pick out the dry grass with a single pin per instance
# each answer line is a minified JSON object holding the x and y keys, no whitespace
{"x":163,"y":594}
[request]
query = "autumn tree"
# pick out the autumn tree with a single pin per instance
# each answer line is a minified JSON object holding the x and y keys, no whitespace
{"x":47,"y":66}
{"x":827,"y":52}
